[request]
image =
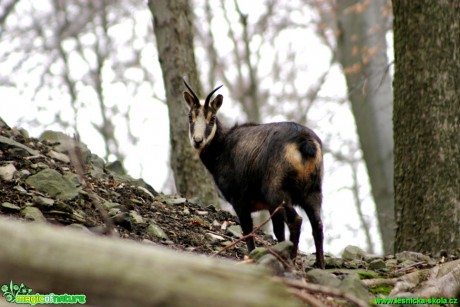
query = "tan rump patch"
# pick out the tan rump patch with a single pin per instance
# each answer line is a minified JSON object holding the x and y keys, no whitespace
{"x":294,"y":157}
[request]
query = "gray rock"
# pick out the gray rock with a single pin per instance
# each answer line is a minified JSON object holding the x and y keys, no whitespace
{"x":32,"y":213}
{"x":65,"y":143}
{"x":214,"y":237}
{"x":156,"y":231}
{"x":353,"y":253}
{"x":391,"y":263}
{"x":284,"y":249}
{"x":323,"y":277}
{"x":352,"y":285}
{"x":10,"y":206}
{"x":97,"y":161}
{"x":109,"y":205}
{"x":20,"y":189}
{"x":73,"y":178}
{"x":333,"y":262}
{"x":52,"y":182}
{"x":136,"y":218}
{"x":116,"y":168}
{"x":134,"y":201}
{"x":10,"y":142}
{"x":59,"y":156}
{"x":114,"y":211}
{"x":355,"y":264}
{"x":178,"y":201}
{"x":235,"y":230}
{"x":377,"y":264}
{"x":414,"y":256}
{"x":7,"y":172}
{"x":119,"y":218}
{"x":258,"y":253}
{"x":271,"y":262}
{"x":43,"y":201}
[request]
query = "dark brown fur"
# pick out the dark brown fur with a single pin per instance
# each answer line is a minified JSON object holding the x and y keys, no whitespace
{"x":258,"y":167}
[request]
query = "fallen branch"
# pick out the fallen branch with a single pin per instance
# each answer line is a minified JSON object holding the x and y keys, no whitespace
{"x":312,"y":288}
{"x":115,"y":272}
{"x":252,"y":234}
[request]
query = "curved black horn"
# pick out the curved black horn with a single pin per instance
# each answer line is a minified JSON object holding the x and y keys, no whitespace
{"x":191,"y":91}
{"x":206,"y":102}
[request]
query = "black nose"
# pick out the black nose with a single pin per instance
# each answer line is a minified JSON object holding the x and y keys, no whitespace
{"x":198,"y":140}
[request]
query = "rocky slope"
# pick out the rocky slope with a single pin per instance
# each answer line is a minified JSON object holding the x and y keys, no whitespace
{"x":55,"y":179}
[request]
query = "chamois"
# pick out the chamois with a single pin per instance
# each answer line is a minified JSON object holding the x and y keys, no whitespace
{"x":260,"y":166}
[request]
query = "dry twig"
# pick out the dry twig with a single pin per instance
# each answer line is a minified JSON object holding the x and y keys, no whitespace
{"x":252,"y":234}
{"x":321,"y":289}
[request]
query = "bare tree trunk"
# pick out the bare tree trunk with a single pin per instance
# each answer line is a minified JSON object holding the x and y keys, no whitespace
{"x":115,"y":272}
{"x":427,"y":125}
{"x":173,"y":31}
{"x":362,"y":53}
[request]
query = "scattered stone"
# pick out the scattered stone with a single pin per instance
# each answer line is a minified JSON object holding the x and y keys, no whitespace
{"x":323,"y":277}
{"x":63,"y":143}
{"x":114,"y":211}
{"x":24,"y":173}
{"x":175,"y":201}
{"x":352,"y":285}
{"x":156,"y":231}
{"x":136,"y":217}
{"x":391,"y":263}
{"x":414,"y":256}
{"x":4,"y":141}
{"x":109,"y":205}
{"x":215,"y":237}
{"x":258,"y":253}
{"x":20,"y":189}
{"x":34,"y":214}
{"x":147,"y":191}
{"x":7,"y":172}
{"x":284,"y":249}
{"x":10,"y":206}
{"x":271,"y":262}
{"x":135,"y":201}
{"x":97,"y":161}
{"x":353,"y":253}
{"x":59,"y":156}
{"x":116,"y":168}
{"x":43,"y":201}
{"x":234,"y":230}
{"x":333,"y":262}
{"x":355,"y":264}
{"x":52,"y":182}
{"x":73,"y":178}
{"x":202,"y":212}
{"x":377,"y":264}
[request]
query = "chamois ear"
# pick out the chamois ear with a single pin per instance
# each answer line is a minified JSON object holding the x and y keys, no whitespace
{"x":189,"y":99}
{"x":217,"y":102}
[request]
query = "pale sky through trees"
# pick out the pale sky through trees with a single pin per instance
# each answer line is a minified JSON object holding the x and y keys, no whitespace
{"x":330,"y":116}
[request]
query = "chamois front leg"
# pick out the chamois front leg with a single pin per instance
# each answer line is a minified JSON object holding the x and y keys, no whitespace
{"x":246,"y":225}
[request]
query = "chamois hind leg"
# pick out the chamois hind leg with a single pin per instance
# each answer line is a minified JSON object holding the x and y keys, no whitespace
{"x":312,"y":207}
{"x":246,"y":225}
{"x":294,"y":222}
{"x":278,"y":224}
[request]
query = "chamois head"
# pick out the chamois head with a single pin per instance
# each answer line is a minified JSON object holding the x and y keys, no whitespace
{"x":202,"y":118}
